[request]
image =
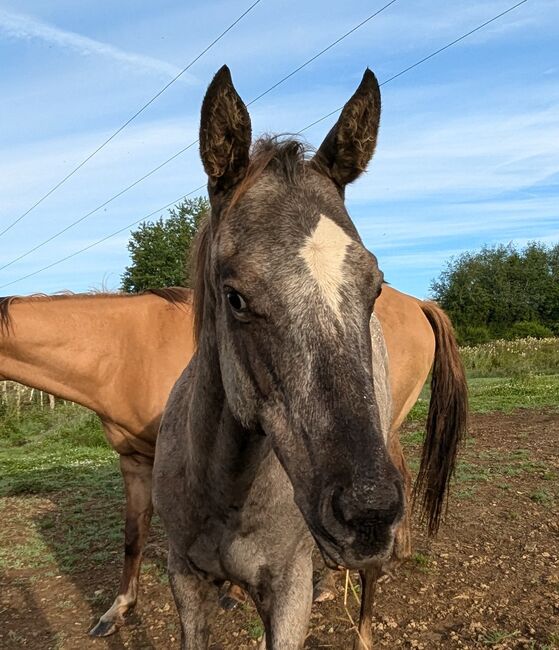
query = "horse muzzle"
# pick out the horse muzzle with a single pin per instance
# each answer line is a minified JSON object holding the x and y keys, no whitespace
{"x":357,"y":527}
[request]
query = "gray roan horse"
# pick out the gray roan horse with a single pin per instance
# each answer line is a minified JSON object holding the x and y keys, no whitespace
{"x":271,"y":437}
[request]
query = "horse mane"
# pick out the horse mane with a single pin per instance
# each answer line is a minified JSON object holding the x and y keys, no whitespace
{"x":5,"y":320}
{"x":176,"y":296}
{"x":285,"y":155}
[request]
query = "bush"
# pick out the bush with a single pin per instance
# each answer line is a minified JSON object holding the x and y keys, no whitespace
{"x":501,"y":285}
{"x":473,"y":335}
{"x":526,"y":328}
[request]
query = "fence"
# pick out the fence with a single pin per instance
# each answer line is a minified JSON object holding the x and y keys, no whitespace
{"x":19,"y":395}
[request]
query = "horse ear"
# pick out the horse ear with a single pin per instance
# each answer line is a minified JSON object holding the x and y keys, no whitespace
{"x":350,"y":145}
{"x":225,"y":134}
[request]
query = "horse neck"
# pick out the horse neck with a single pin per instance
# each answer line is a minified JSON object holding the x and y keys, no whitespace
{"x":70,"y":346}
{"x":223,"y":457}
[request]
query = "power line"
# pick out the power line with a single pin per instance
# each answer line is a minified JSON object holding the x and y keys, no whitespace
{"x":319,"y":54}
{"x":179,"y":153}
{"x":104,"y":239}
{"x":389,"y":80}
{"x":133,"y":117}
{"x":99,"y":207}
{"x":429,"y":56}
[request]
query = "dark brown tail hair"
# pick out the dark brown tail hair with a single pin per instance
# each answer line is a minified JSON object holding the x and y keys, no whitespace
{"x":446,"y":421}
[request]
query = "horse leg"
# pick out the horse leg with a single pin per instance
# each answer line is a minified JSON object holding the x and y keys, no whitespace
{"x":136,"y":471}
{"x":401,"y":550}
{"x":196,"y":600}
{"x":369,"y":578}
{"x":402,"y":542}
{"x":286,"y":607}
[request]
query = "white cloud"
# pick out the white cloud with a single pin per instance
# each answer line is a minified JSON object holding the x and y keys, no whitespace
{"x":23,"y":27}
{"x":29,"y":170}
{"x":466,"y":152}
{"x":470,"y":156}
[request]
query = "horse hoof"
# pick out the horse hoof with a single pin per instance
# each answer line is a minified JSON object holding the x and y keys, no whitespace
{"x":103,"y":628}
{"x":228,"y":603}
{"x":322,"y":594}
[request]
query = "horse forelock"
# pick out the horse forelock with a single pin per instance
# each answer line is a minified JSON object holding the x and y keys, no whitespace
{"x":284,"y":155}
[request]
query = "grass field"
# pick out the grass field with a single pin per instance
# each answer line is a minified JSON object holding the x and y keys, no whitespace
{"x":61,"y":496}
{"x":512,"y":358}
{"x":43,"y":450}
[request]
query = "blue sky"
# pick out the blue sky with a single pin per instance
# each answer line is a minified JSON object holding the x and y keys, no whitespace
{"x":468,"y":149}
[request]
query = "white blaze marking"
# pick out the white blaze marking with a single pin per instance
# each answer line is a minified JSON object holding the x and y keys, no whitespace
{"x":324,"y":252}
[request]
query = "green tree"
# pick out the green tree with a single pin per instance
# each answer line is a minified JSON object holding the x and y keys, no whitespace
{"x":496,"y":287}
{"x":160,"y":250}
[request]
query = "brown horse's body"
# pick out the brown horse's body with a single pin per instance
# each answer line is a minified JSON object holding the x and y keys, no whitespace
{"x":91,"y":349}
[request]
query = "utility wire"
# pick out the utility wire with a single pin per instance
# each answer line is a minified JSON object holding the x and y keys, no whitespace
{"x":133,"y":117}
{"x":91,"y":212}
{"x":319,"y":54}
{"x":179,"y":153}
{"x":390,"y":79}
{"x":429,"y":56}
{"x":100,"y":241}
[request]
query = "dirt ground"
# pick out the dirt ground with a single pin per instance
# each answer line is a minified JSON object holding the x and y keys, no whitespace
{"x":490,"y":579}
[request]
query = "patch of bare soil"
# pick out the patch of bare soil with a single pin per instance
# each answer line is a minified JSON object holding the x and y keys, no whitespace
{"x":490,"y":579}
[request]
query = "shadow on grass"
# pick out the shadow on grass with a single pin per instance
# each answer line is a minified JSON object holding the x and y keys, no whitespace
{"x":22,"y":610}
{"x":82,"y":536}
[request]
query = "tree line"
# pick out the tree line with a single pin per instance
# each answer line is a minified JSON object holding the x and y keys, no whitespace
{"x":496,"y":292}
{"x":502,"y":292}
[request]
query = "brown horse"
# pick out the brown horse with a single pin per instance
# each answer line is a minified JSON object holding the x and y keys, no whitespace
{"x":90,"y":349}
{"x":273,"y":436}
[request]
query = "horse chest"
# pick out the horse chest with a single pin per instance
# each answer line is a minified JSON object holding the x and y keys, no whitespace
{"x":253,"y":540}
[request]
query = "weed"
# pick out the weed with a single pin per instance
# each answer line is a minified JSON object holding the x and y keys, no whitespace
{"x":470,"y":473}
{"x":419,"y":410}
{"x":421,"y":560}
{"x":542,"y":497}
{"x":512,"y":358}
{"x":58,"y":641}
{"x":413,"y":438}
{"x":490,"y":394}
{"x":466,"y":493}
{"x":495,"y":637}
{"x":255,"y":629}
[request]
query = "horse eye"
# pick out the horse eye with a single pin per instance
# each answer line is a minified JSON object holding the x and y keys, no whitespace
{"x":236,"y":301}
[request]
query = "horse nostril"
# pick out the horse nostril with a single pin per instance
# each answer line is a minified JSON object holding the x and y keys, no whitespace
{"x":338,"y":506}
{"x":370,"y":507}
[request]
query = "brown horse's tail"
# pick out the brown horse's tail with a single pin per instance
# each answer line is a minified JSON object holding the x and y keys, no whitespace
{"x":446,"y":421}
